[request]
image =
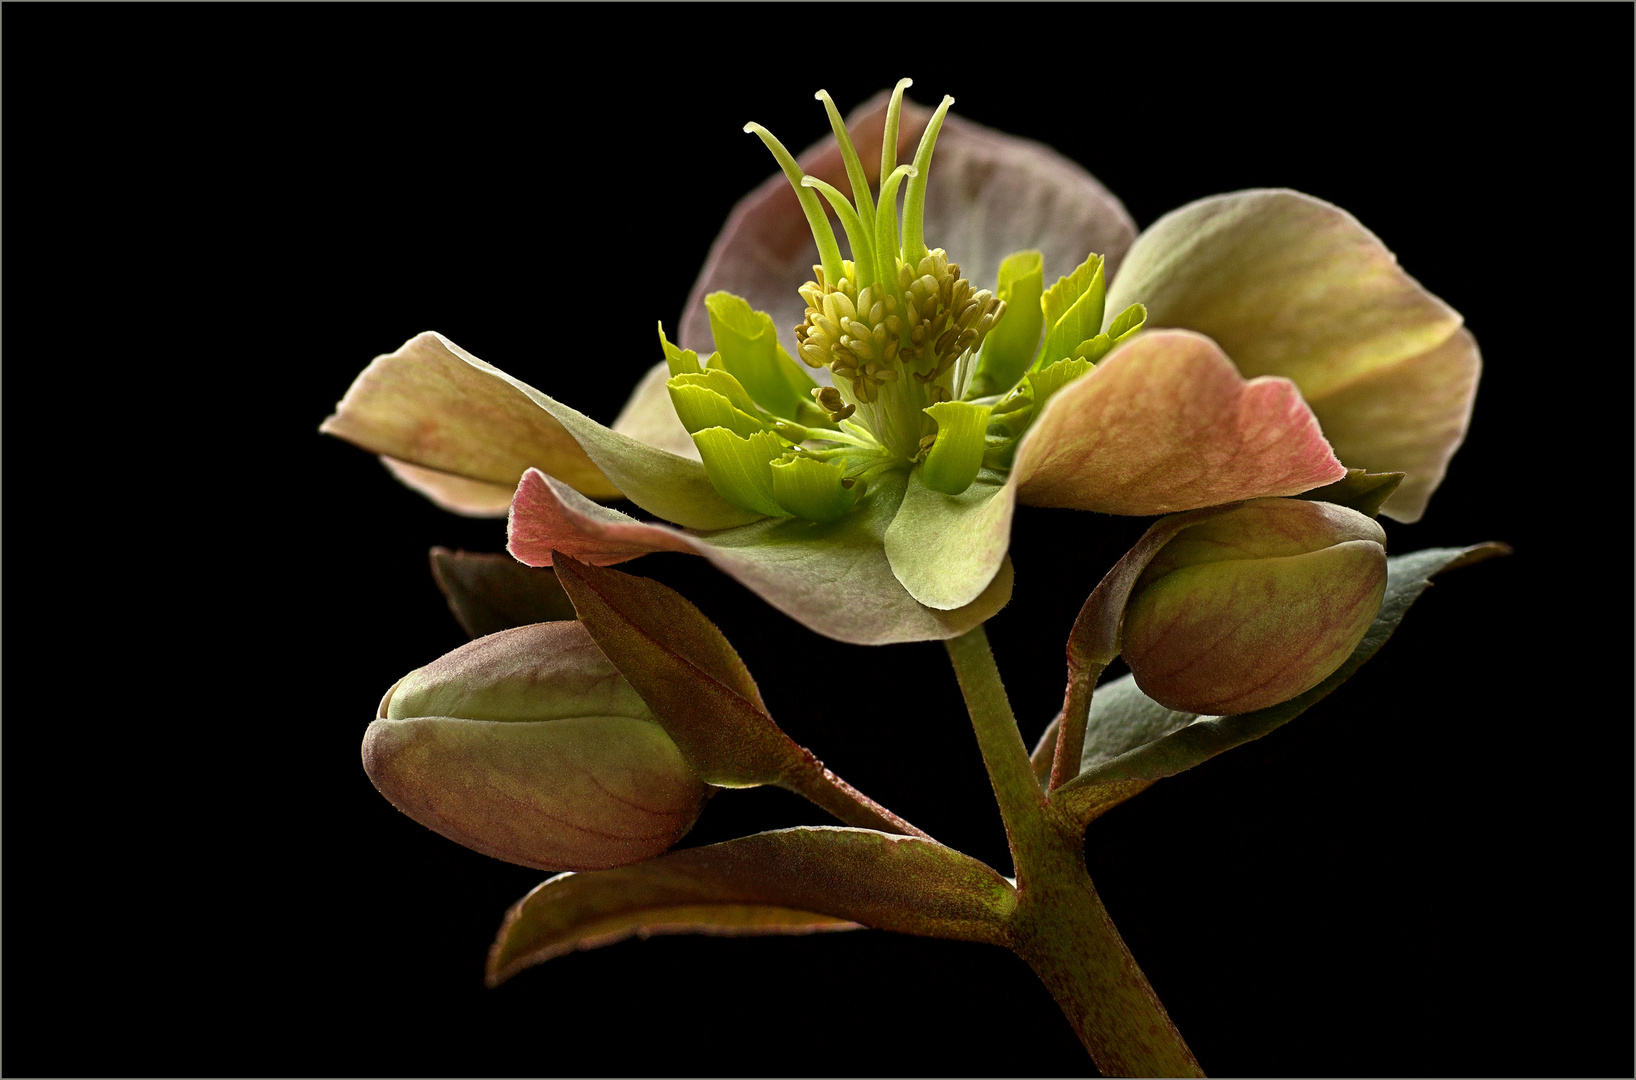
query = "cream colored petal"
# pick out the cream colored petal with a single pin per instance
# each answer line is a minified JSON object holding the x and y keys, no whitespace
{"x":1286,"y":284}
{"x":456,"y":494}
{"x":649,"y":417}
{"x":989,"y":194}
{"x":1407,"y":418}
{"x":426,"y":406}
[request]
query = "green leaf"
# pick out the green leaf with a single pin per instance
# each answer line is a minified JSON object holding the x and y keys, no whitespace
{"x":952,"y":463}
{"x":492,"y":592}
{"x":748,"y":345}
{"x":789,"y":881}
{"x":701,"y":693}
{"x":1132,"y":741}
{"x":1357,"y":490}
{"x":812,"y":489}
{"x":701,"y":407}
{"x":1073,"y":311}
{"x":741,"y":468}
{"x":1009,"y":347}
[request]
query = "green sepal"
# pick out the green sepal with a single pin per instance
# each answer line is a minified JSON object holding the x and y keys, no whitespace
{"x":952,"y":463}
{"x":748,"y":346}
{"x":1358,"y":490}
{"x":1073,"y":309}
{"x":700,"y":407}
{"x":741,"y":468}
{"x":812,"y":489}
{"x":679,"y":361}
{"x":1126,"y":324}
{"x":1010,"y":345}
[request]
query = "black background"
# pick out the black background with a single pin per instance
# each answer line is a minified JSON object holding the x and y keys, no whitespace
{"x":216,"y":217}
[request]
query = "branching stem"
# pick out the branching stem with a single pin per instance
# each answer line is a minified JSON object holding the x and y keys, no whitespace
{"x":1060,"y":926}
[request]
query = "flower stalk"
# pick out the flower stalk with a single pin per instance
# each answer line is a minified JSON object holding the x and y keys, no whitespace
{"x":1060,"y":926}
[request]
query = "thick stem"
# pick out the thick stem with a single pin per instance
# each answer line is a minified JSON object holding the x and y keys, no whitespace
{"x":1062,"y":929}
{"x":1022,"y":803}
{"x":1060,"y":926}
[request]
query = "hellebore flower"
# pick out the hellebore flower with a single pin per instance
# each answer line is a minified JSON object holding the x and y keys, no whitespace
{"x":872,"y":499}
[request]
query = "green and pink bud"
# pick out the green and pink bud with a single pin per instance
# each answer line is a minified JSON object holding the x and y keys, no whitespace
{"x":528,"y":745}
{"x":1254,"y":606}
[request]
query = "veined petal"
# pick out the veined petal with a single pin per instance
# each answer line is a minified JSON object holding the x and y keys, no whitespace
{"x":1408,"y":418}
{"x":433,"y":404}
{"x":1290,"y":285}
{"x":989,"y":195}
{"x":1166,"y":423}
{"x":946,"y":549}
{"x":834,"y":577}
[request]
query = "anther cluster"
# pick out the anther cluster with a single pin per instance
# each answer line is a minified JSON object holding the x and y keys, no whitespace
{"x":873,"y":336}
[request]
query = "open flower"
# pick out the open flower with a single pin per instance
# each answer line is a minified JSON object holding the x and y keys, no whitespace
{"x":860,"y":471}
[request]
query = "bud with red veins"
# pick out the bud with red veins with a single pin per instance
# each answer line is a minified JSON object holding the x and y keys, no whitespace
{"x":528,"y":745}
{"x":1254,"y":606}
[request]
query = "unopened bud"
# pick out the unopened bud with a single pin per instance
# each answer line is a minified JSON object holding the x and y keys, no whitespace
{"x":528,"y":745}
{"x":1254,"y":606}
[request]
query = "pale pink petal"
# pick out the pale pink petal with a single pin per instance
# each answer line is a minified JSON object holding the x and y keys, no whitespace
{"x":989,"y":194}
{"x":833,"y":577}
{"x":548,"y":515}
{"x":1408,"y":418}
{"x":1166,"y":423}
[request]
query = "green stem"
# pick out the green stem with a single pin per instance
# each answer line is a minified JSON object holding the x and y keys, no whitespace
{"x":1022,"y":803}
{"x":1060,"y":926}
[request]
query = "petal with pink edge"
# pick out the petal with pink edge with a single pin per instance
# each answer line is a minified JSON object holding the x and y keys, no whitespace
{"x":1166,"y":423}
{"x":1408,"y":418}
{"x":988,"y":195}
{"x":832,"y":577}
{"x":1290,"y":285}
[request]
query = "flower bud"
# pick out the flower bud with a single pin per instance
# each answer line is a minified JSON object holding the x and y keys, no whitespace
{"x":528,"y":745}
{"x":1254,"y":606}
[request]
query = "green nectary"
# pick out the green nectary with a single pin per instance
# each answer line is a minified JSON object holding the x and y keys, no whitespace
{"x":924,"y":374}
